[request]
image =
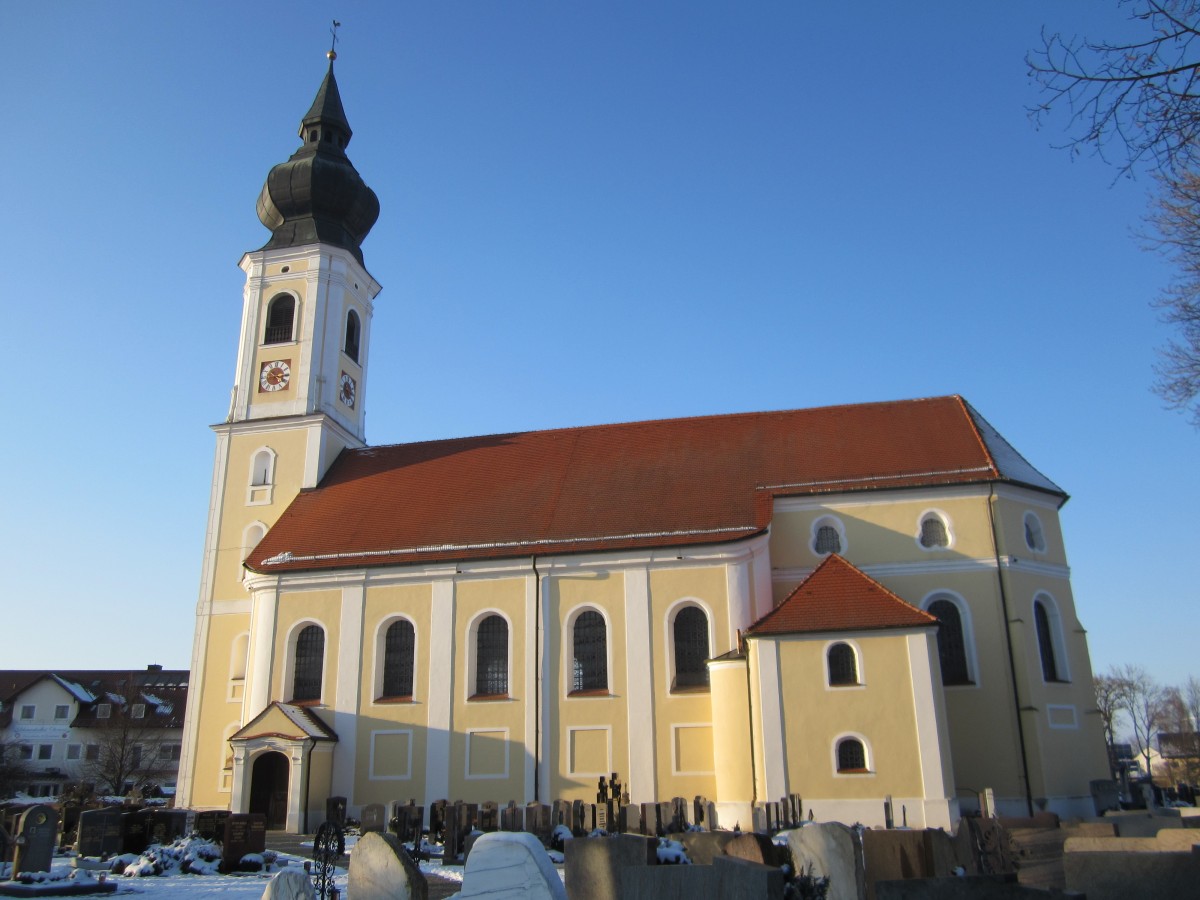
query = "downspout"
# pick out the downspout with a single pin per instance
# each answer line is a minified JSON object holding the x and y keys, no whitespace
{"x":1012,"y":664}
{"x":309,"y":743}
{"x":537,"y":682}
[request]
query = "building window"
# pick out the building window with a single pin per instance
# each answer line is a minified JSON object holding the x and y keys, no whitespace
{"x":281,"y":316}
{"x":310,"y":662}
{"x":934,"y":534}
{"x":169,"y":752}
{"x":1049,"y":638}
{"x":135,"y":757}
{"x":45,"y":751}
{"x":589,"y":652}
{"x":951,"y":641}
{"x":138,"y":711}
{"x":398,"y":651}
{"x":690,"y":633}
{"x":92,"y":754}
{"x":25,"y":751}
{"x":103,"y":710}
{"x":491,"y":657}
{"x":828,"y":536}
{"x":1035,"y":538}
{"x":73,"y":751}
{"x":262,"y":468}
{"x":353,"y":329}
{"x":28,"y":712}
{"x":851,"y":757}
{"x":843,"y":666}
{"x":61,"y":712}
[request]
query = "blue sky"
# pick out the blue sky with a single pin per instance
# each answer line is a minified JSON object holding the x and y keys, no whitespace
{"x":591,"y":212}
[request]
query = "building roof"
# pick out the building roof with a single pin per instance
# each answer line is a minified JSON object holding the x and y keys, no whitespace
{"x":838,"y":597}
{"x":286,"y":720}
{"x":672,"y":482}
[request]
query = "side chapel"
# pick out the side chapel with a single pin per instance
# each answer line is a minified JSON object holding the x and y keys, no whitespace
{"x":845,"y":603}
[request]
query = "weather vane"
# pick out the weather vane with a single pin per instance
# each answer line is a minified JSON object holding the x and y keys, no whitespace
{"x":332,"y":54}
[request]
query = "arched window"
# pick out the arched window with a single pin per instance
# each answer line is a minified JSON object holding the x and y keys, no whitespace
{"x":827,"y":536}
{"x":310,"y":662}
{"x":851,"y":756}
{"x":237,"y":657}
{"x":262,"y":467}
{"x":1035,"y":538}
{"x":690,"y":633}
{"x":843,"y":666}
{"x":353,"y":329}
{"x":589,"y":645}
{"x":281,"y":318}
{"x":491,"y":657}
{"x":398,"y":644}
{"x":952,"y":645}
{"x":934,"y":534}
{"x":1049,"y":641}
{"x":254,"y":533}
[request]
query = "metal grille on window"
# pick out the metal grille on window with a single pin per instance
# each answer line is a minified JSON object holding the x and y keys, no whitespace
{"x":691,"y":648}
{"x":828,"y":540}
{"x":398,"y":646}
{"x":952,"y":646}
{"x":590,"y":665}
{"x":843,"y":668}
{"x":491,"y":657}
{"x":280,"y":316}
{"x":1045,"y":642}
{"x":851,"y":756}
{"x":310,"y":658}
{"x":933,"y":532}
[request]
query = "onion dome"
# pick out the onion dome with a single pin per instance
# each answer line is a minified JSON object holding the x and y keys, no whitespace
{"x":317,"y":196}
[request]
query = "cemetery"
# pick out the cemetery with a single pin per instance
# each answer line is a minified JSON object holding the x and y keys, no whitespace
{"x":604,"y":850}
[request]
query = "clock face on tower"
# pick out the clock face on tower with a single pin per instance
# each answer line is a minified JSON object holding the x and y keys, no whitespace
{"x":275,"y":376}
{"x":346,"y":392}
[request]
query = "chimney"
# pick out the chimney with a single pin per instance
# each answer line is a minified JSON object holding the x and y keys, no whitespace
{"x":154,"y":667}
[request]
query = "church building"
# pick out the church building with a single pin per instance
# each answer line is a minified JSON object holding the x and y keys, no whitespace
{"x":846,"y":603}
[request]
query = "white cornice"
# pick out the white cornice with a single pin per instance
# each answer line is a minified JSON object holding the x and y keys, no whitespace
{"x":279,"y":423}
{"x":940,"y":567}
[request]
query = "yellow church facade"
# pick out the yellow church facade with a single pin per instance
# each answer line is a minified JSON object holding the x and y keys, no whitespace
{"x":848,"y":603}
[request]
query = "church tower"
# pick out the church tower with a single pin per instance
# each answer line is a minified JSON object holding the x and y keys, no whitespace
{"x":298,"y":400}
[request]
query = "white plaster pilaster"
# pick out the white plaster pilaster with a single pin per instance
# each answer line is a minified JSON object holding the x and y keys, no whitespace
{"x":639,"y":680}
{"x":774,"y":749}
{"x":764,"y":596}
{"x":740,"y":605}
{"x":536,"y":714}
{"x":348,"y":692}
{"x":262,"y":651}
{"x":441,"y":691}
{"x":937,"y":776}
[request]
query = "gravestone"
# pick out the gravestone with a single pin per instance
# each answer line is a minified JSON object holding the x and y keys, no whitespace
{"x":754,"y":847}
{"x":512,"y":817}
{"x":99,"y":832}
{"x":133,"y":829}
{"x":165,"y":825}
{"x":593,"y":865}
{"x":335,"y":811}
{"x":289,"y":884}
{"x":37,"y":836}
{"x":210,"y":824}
{"x":537,"y":821}
{"x":381,"y":869}
{"x":489,"y":817}
{"x":407,"y":821}
{"x":833,"y":851}
{"x":374,"y":818}
{"x":506,"y":865}
{"x":244,"y":833}
{"x":437,"y":820}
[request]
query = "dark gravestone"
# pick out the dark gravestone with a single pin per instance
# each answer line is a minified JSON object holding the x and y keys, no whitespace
{"x":244,"y":833}
{"x":374,"y":818}
{"x":648,"y":820}
{"x":407,"y":821}
{"x":210,"y":825}
{"x":489,"y":817}
{"x":37,"y":836}
{"x":664,"y":814}
{"x":165,"y":825}
{"x":512,"y":817}
{"x":335,"y":811}
{"x":679,"y":813}
{"x":133,"y":830}
{"x":593,"y":865}
{"x":452,"y":846}
{"x":100,"y":832}
{"x":437,"y":820}
{"x":757,"y":848}
{"x":537,"y":821}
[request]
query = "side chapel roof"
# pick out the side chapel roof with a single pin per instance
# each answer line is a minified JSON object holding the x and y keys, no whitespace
{"x":673,"y":482}
{"x":837,"y":596}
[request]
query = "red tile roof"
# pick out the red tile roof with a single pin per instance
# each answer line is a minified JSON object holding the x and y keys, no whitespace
{"x":672,"y":482}
{"x":839,"y":597}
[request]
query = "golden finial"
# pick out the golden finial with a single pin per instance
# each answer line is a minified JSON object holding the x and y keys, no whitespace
{"x":332,"y":54}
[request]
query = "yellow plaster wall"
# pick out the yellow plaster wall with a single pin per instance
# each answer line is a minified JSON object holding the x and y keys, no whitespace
{"x":592,"y":731}
{"x":882,"y":711}
{"x":216,"y":709}
{"x":683,"y":720}
{"x":493,"y":718}
{"x":382,"y":605}
{"x":318,"y":607}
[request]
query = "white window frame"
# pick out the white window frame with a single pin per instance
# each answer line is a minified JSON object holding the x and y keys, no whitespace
{"x":968,"y":627}
{"x":832,"y":521}
{"x":858,"y":665}
{"x":568,"y":645}
{"x":289,"y":672}
{"x":1058,"y":642}
{"x":28,"y":711}
{"x":65,"y":708}
{"x":669,"y":636}
{"x":473,"y":654}
{"x":1030,"y":515}
{"x":947,"y":523}
{"x":104,"y":711}
{"x":261,"y":493}
{"x":380,"y":646}
{"x":266,"y":319}
{"x":74,"y":752}
{"x":868,"y":755}
{"x":137,"y":711}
